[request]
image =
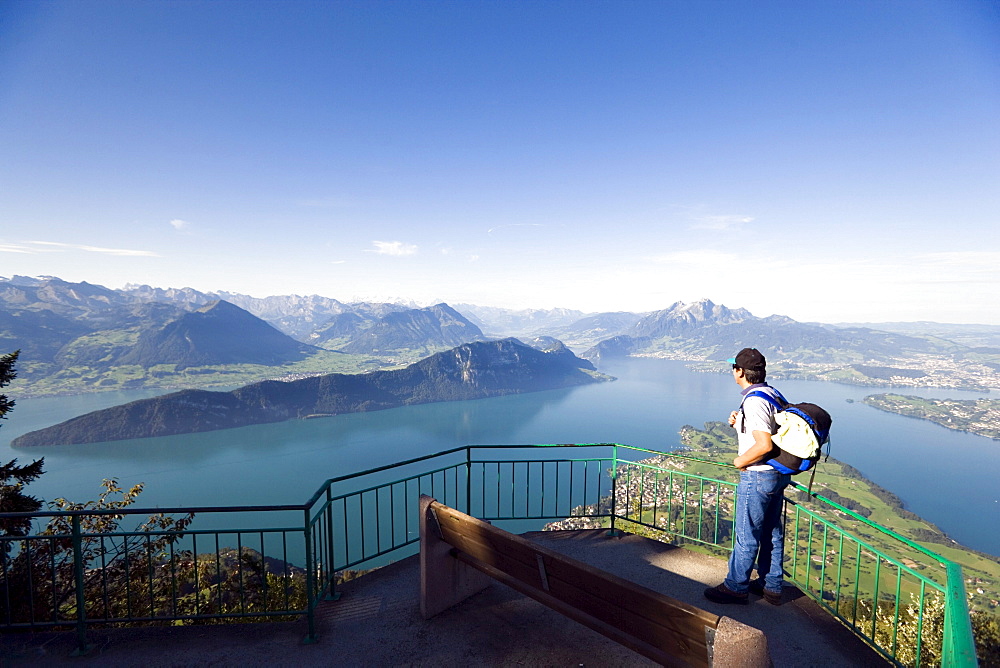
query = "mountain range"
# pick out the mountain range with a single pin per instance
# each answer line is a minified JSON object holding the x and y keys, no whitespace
{"x":704,"y":329}
{"x":412,"y":329}
{"x":470,"y":371}
{"x":80,"y":337}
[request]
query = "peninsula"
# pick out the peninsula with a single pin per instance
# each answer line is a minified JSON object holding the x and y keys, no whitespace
{"x":977,"y":416}
{"x":470,"y":371}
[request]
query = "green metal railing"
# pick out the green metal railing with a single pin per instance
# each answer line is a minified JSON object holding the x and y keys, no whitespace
{"x":907,"y":602}
{"x":235,"y":564}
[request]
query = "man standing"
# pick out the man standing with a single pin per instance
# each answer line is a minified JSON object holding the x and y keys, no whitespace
{"x":759,"y":534}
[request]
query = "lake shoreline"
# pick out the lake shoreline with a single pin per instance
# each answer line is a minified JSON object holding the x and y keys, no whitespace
{"x":646,"y":407}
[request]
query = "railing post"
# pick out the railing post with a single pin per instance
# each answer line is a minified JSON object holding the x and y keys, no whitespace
{"x":81,"y":599}
{"x":614,"y":490}
{"x":959,"y":646}
{"x":310,"y":582}
{"x":468,"y":481}
{"x":331,"y":566}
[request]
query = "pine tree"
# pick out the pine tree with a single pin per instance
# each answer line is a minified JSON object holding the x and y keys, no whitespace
{"x":13,"y":478}
{"x":7,"y":374}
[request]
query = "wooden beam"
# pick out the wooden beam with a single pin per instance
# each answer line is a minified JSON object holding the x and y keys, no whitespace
{"x":658,"y":626}
{"x":661,"y":628}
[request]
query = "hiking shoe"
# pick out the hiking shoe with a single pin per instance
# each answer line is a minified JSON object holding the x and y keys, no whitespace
{"x":757,"y":587}
{"x":723,"y":594}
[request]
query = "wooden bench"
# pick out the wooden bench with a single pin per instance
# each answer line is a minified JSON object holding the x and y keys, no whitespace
{"x":459,"y":555}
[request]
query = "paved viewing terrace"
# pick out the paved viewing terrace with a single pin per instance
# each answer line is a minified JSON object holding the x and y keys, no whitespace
{"x":377,"y":622}
{"x":860,"y":585}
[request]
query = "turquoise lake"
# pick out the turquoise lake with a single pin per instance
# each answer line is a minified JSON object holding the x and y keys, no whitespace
{"x":947,"y":477}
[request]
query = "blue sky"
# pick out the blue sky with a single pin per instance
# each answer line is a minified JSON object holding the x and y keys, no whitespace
{"x":832,"y":161}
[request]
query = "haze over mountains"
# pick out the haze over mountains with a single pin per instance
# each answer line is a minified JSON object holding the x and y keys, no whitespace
{"x":688,"y":329}
{"x":79,"y":337}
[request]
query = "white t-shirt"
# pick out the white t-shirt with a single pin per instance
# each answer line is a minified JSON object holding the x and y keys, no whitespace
{"x":756,"y":414}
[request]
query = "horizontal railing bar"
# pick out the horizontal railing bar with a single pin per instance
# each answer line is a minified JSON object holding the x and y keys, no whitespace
{"x":501,"y":518}
{"x":676,"y":472}
{"x":920,"y":548}
{"x":346,"y":495}
{"x":510,"y":446}
{"x":538,"y":461}
{"x":860,"y":541}
{"x":450,"y":451}
{"x":226,"y":615}
{"x":157,"y":532}
{"x":157,"y":511}
{"x":165,"y":618}
{"x":673,"y":455}
{"x":882,"y":555}
{"x":378,"y":469}
{"x":312,"y":500}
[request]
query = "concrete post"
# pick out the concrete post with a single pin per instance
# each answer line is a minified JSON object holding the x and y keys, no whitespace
{"x":739,"y":646}
{"x":444,"y":580}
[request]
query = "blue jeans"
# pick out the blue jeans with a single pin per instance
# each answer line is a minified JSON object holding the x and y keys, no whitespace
{"x":759,"y":533}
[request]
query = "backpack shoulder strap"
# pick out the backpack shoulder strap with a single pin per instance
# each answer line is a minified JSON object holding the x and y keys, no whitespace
{"x":779,"y":395}
{"x":776,"y":400}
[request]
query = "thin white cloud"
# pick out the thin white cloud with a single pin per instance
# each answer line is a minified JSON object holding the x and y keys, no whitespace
{"x":396,"y":248}
{"x":179,"y":224}
{"x":718,"y":223}
{"x":502,"y":227}
{"x":10,"y":248}
{"x":54,"y":246}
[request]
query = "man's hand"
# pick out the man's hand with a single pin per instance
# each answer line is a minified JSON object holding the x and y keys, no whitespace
{"x":761,"y":448}
{"x":732,"y":418}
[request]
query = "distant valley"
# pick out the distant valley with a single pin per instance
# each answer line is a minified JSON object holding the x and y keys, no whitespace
{"x":79,"y":337}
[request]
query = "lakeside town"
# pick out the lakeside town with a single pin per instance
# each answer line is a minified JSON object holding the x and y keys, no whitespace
{"x":937,"y":371}
{"x":976,"y":416}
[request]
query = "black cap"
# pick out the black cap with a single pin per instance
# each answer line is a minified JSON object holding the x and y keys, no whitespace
{"x":749,"y":358}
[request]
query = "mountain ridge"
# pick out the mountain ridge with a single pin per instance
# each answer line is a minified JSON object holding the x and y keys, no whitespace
{"x":217,"y":333}
{"x":80,"y":337}
{"x":705,"y":330}
{"x":71,"y":335}
{"x":471,"y":371}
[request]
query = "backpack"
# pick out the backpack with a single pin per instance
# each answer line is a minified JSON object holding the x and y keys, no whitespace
{"x":803,"y":430}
